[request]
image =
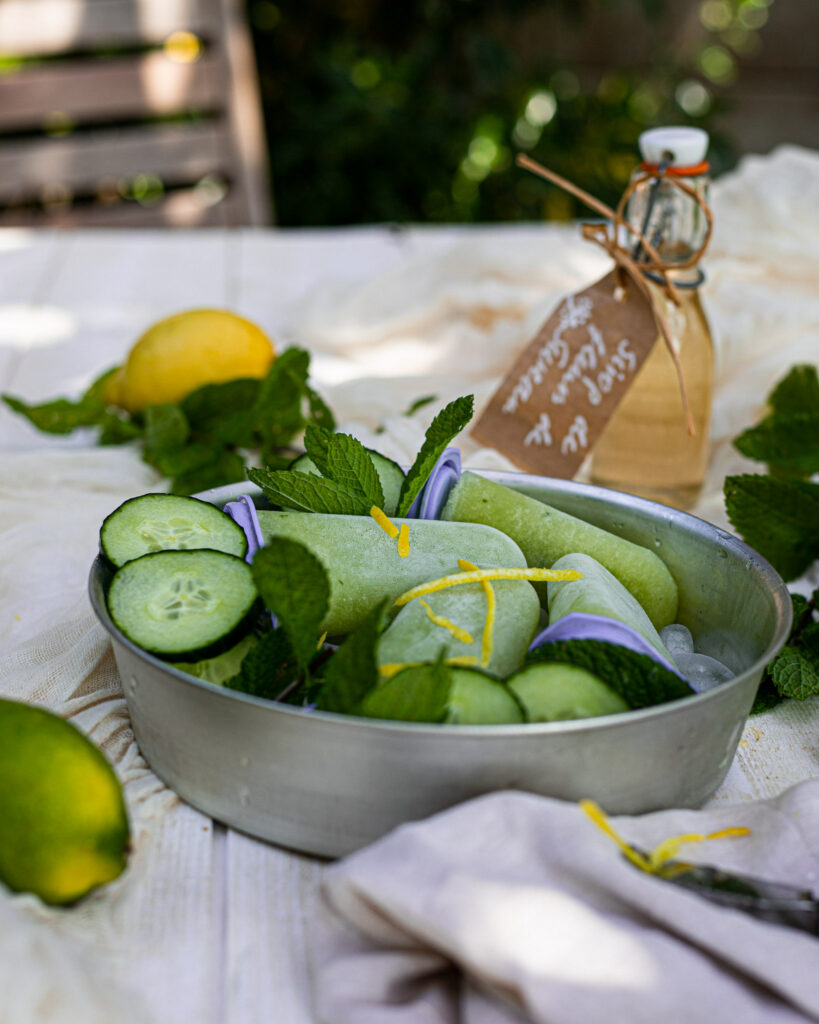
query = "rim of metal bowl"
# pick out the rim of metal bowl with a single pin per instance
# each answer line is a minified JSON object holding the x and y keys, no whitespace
{"x":779,"y":593}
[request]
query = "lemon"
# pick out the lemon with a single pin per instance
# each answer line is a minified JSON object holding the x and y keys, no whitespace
{"x":179,"y":354}
{"x":63,"y":825}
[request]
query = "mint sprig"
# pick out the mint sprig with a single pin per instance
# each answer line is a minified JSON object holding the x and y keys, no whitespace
{"x":638,"y":679}
{"x":777,"y":514}
{"x":307,"y":492}
{"x":449,"y":422}
{"x":344,"y":460}
{"x":200,"y":442}
{"x":293,"y":584}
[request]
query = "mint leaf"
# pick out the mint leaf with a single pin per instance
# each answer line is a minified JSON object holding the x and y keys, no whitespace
{"x":221,"y":467}
{"x":166,"y":429}
{"x":419,"y":403}
{"x":342,"y":458}
{"x":293,"y":584}
{"x":59,"y":416}
{"x":776,"y":517}
{"x":267,"y":668}
{"x":637,"y":678}
{"x":416,"y":694}
{"x":95,"y":390}
{"x":796,"y":392}
{"x":352,"y":672}
{"x":118,"y":429}
{"x":449,"y":422}
{"x":787,"y":441}
{"x":278,"y":409}
{"x":225,"y":411}
{"x":306,"y":492}
{"x":795,"y":671}
{"x":320,"y":412}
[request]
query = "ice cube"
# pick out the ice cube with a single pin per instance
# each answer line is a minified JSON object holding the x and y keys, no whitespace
{"x":677,"y":639}
{"x":701,"y":671}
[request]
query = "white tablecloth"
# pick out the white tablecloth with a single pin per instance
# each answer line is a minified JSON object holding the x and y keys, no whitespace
{"x":208,"y":925}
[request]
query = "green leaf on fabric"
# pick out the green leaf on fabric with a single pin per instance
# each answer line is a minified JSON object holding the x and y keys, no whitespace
{"x":94,"y":392}
{"x":776,"y":517}
{"x":166,"y":429}
{"x":59,"y":416}
{"x":225,"y":411}
{"x":449,"y":422}
{"x":278,"y":409}
{"x":795,"y":671}
{"x":307,"y":492}
{"x":352,"y":672}
{"x":797,"y":392}
{"x":267,"y":668}
{"x":416,"y":694}
{"x":638,"y":679}
{"x":200,"y":466}
{"x":345,"y":460}
{"x":320,"y":412}
{"x":787,"y":441}
{"x":419,"y":403}
{"x":293,"y":584}
{"x":119,"y":429}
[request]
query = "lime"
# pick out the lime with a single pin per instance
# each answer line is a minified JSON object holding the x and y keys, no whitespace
{"x":179,"y":354}
{"x":64,"y":824}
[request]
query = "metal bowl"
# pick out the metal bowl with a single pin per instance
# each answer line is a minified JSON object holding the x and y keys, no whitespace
{"x":328,"y":784}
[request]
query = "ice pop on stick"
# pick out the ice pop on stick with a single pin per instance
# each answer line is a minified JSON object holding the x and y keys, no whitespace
{"x":599,"y":592}
{"x":544,"y":534}
{"x":363,"y":562}
{"x":457,"y":621}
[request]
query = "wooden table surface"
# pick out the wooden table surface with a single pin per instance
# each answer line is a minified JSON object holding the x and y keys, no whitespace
{"x":236,"y":948}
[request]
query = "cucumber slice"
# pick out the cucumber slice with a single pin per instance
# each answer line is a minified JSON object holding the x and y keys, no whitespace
{"x":167,"y":522}
{"x":478,"y":699}
{"x":556,"y":693}
{"x":389,"y":473}
{"x":222,"y":667}
{"x":184,"y":605}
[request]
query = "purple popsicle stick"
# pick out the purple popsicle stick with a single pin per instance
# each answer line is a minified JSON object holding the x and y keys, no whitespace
{"x":582,"y":626}
{"x":243,"y":513}
{"x":445,"y":474}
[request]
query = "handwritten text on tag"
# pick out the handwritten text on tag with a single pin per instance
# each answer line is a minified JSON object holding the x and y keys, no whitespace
{"x":565,"y":385}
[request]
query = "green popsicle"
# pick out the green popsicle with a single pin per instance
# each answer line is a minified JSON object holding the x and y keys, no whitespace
{"x":545,"y":534}
{"x":599,"y":592}
{"x":415,"y":637}
{"x":363,"y":563}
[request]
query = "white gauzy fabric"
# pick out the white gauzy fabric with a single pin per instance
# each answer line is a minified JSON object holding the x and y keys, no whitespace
{"x":516,"y":908}
{"x":53,"y":652}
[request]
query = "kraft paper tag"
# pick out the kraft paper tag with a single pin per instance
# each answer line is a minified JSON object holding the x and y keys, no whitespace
{"x":565,"y":385}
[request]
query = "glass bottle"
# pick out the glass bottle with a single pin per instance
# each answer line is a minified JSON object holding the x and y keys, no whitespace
{"x":645,"y":448}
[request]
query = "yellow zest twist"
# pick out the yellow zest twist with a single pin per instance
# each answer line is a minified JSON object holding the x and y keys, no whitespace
{"x":656,"y":862}
{"x":441,"y":620}
{"x":479,"y":575}
{"x":386,"y":524}
{"x":403,"y":541}
{"x":487,"y":641}
{"x":392,"y":668}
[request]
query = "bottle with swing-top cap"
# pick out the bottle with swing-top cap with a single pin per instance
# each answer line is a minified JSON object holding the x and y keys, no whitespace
{"x":646,"y":448}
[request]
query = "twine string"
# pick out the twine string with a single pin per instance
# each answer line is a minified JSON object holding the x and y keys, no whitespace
{"x":606,"y":236}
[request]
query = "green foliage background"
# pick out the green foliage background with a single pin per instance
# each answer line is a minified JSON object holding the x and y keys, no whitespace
{"x":381,"y":111}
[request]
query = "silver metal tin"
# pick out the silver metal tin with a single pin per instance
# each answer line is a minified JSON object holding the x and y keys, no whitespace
{"x":328,"y":784}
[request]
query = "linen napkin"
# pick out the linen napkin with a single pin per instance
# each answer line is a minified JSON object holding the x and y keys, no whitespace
{"x":514,"y":907}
